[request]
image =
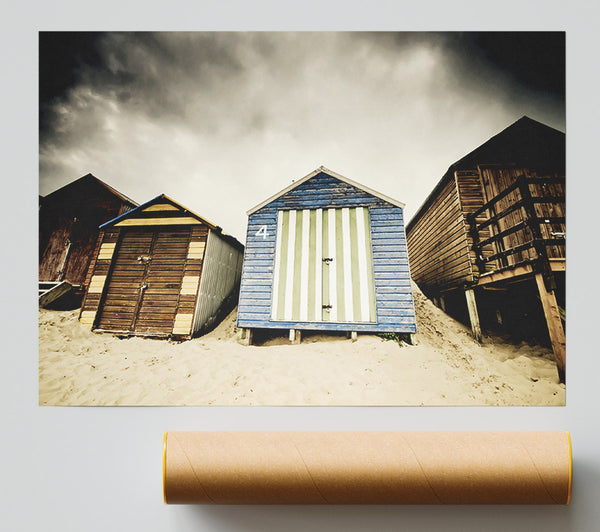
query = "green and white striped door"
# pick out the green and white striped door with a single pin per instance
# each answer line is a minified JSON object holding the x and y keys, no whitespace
{"x":323,"y":266}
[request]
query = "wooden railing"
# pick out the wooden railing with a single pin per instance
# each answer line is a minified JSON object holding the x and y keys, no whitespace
{"x":530,"y":224}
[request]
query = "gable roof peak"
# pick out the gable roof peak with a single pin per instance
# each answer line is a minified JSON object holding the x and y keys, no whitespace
{"x":91,"y":179}
{"x":157,"y":199}
{"x":323,"y":169}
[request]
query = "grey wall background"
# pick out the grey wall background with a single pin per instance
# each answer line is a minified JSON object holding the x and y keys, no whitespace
{"x":99,"y":469}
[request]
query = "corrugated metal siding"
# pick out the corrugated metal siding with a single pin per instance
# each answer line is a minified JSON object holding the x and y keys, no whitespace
{"x":393,"y":294}
{"x":220,"y":279}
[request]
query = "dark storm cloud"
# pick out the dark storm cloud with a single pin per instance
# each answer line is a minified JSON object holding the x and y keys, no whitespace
{"x":153,"y":68}
{"x":62,"y":58}
{"x":533,"y":61}
{"x":160,"y":112}
{"x":154,"y":74}
{"x":150,"y":72}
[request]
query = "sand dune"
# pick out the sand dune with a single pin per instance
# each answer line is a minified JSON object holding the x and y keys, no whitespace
{"x":446,"y":367}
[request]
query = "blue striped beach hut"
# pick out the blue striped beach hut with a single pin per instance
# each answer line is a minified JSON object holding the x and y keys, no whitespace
{"x":326,"y":254}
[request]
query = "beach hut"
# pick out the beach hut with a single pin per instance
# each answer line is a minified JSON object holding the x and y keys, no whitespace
{"x":68,"y":230}
{"x":161,"y":270}
{"x":489,"y":241}
{"x":326,"y":254}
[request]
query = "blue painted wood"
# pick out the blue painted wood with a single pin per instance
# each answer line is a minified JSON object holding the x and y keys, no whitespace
{"x":400,"y":325}
{"x":393,"y":293}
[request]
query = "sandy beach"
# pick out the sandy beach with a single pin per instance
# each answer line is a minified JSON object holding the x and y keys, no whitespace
{"x":446,"y":367}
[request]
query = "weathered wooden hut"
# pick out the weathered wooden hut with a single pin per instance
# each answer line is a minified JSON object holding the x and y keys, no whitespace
{"x":493,"y":230}
{"x":68,"y":229}
{"x":161,"y":270}
{"x":326,"y":254}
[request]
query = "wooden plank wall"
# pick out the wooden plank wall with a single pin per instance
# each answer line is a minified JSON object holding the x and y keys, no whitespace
{"x":53,"y":253}
{"x":551,"y":210}
{"x":193,"y":268}
{"x":99,"y":269}
{"x":121,"y":290}
{"x":75,"y":219}
{"x":394,"y":302}
{"x":93,"y":260}
{"x":471,"y":198}
{"x":496,"y":179}
{"x":438,"y":244}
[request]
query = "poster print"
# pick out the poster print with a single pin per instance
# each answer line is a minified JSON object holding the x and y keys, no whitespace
{"x":305,"y":218}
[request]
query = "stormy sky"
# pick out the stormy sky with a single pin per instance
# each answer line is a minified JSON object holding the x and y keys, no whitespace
{"x":220,"y":121}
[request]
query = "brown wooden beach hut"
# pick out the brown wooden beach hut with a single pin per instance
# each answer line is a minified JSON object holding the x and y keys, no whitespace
{"x":161,"y":270}
{"x":68,"y":230}
{"x":489,"y":240}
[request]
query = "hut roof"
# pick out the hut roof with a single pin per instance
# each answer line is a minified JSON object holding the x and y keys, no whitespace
{"x":162,"y":198}
{"x":82,"y":182}
{"x":319,"y":170}
{"x":525,"y":142}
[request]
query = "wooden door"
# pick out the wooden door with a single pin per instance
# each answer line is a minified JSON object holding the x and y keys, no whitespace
{"x":53,"y":258}
{"x":323,"y":266}
{"x":142,"y":292}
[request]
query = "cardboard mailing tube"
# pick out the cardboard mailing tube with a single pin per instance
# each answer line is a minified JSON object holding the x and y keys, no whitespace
{"x":367,"y":467}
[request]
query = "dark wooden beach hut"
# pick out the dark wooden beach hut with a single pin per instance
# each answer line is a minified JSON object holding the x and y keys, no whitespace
{"x":161,"y":270}
{"x":489,"y":240}
{"x":68,"y":230}
{"x":326,"y":254}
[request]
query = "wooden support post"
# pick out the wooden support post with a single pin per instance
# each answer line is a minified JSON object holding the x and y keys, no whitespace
{"x":442,"y":303}
{"x":295,"y":336}
{"x":63,"y":266}
{"x":246,"y":336}
{"x":554,"y":323}
{"x":353,"y":336}
{"x":412,"y":338}
{"x":473,"y":315}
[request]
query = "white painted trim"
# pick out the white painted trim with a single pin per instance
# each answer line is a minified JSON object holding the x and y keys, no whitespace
{"x":332,"y":174}
{"x":332,"y":267}
{"x":319,"y":266}
{"x":362,"y":264}
{"x":348,"y":281}
{"x":289,"y":283}
{"x":304,"y":266}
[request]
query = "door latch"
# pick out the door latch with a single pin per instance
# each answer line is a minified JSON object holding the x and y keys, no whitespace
{"x":327,"y":260}
{"x":144,"y":258}
{"x":143,"y":287}
{"x":327,"y":307}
